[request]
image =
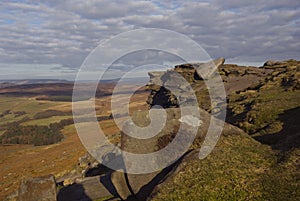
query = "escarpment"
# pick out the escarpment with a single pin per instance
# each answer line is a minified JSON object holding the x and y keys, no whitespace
{"x":261,"y":129}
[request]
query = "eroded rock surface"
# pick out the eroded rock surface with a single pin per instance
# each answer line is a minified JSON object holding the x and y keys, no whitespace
{"x":38,"y":189}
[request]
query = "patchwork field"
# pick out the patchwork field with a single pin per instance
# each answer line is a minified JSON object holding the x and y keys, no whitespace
{"x":18,"y":161}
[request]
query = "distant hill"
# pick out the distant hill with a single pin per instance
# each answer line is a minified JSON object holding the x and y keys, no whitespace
{"x":61,"y":90}
{"x":6,"y":83}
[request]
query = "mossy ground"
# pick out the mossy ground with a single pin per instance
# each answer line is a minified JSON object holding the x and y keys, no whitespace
{"x":258,"y":114}
{"x":239,"y":168}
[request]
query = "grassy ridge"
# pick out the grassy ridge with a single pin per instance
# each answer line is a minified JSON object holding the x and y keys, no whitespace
{"x":239,"y":168}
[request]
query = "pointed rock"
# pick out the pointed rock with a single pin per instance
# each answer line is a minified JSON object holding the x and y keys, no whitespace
{"x":206,"y":70}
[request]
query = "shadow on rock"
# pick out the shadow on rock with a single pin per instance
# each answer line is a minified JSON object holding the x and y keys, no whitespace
{"x":74,"y":192}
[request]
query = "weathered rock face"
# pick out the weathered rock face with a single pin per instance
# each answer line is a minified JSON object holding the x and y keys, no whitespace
{"x":167,"y":86}
{"x":237,"y":78}
{"x":171,"y":127}
{"x":38,"y":189}
{"x":271,"y":64}
{"x":177,"y":80}
{"x":140,"y":186}
{"x":265,"y":102}
{"x":256,"y":109}
{"x":234,"y":78}
{"x":284,"y":74}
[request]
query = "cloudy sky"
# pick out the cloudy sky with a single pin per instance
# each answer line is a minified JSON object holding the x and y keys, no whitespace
{"x":51,"y":38}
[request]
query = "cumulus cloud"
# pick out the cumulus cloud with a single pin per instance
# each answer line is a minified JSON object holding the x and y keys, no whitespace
{"x":65,"y":32}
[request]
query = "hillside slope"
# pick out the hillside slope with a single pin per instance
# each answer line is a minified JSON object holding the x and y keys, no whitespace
{"x":263,"y":164}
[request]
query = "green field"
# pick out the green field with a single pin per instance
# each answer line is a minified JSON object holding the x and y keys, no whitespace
{"x":10,"y":118}
{"x":25,"y":112}
{"x":29,"y":105}
{"x":46,"y":121}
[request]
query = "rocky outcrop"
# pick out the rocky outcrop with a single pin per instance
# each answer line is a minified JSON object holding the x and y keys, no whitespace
{"x":238,"y":78}
{"x":285,"y":74}
{"x":140,"y":186}
{"x":166,"y":86}
{"x":235,"y":78}
{"x":246,"y":89}
{"x":256,"y":109}
{"x":38,"y":189}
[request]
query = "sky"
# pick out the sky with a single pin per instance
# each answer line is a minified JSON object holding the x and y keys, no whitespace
{"x":52,"y":38}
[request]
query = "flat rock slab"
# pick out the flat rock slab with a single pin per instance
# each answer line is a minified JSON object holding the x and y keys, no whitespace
{"x":38,"y":189}
{"x":90,"y":188}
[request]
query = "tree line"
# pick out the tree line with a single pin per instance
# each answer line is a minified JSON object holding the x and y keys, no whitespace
{"x":36,"y":135}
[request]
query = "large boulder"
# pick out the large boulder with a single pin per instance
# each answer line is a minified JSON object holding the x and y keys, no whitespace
{"x":38,"y":189}
{"x":140,"y":186}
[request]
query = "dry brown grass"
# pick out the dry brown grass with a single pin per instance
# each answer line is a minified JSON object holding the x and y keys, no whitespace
{"x":21,"y":161}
